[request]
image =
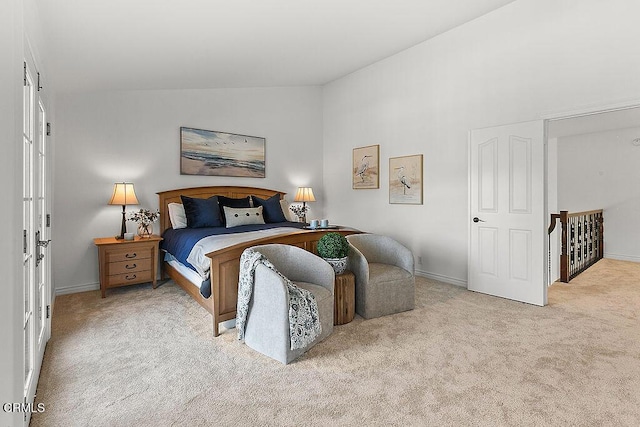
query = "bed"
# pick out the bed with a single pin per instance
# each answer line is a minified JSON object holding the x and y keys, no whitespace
{"x":224,"y":261}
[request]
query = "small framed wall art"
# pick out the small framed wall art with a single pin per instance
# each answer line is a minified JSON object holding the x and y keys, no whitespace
{"x":207,"y":152}
{"x":405,"y":179}
{"x":366,"y":167}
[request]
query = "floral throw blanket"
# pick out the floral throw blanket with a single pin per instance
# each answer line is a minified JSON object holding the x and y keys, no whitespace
{"x":304,"y":324}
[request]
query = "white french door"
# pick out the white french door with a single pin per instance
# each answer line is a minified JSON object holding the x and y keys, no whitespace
{"x":42,"y":239}
{"x":35,"y":202}
{"x":507,"y":230}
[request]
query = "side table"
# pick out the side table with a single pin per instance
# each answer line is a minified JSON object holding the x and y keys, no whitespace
{"x":345,"y":298}
{"x":126,"y":262}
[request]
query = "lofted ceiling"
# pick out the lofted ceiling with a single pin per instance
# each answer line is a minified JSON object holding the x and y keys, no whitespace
{"x":189,"y":44}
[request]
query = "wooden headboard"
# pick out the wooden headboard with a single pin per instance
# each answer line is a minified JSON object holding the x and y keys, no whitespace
{"x":173,"y":196}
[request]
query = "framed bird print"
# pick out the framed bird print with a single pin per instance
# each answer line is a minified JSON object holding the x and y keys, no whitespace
{"x":366,"y":167}
{"x":405,"y":179}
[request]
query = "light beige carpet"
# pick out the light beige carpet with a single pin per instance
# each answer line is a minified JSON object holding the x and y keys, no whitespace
{"x":146,"y":357}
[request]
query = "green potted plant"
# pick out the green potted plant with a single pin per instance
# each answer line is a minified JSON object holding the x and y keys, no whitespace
{"x":334,"y":248}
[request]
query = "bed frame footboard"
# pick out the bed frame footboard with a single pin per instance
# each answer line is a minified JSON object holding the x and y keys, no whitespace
{"x":225,"y":268}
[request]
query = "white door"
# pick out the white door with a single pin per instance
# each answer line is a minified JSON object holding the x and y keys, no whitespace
{"x":36,"y":267}
{"x":507,"y":234}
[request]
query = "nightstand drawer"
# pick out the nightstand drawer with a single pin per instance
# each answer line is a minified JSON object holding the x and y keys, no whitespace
{"x":130,"y":254}
{"x":139,"y":277}
{"x":129,"y":266}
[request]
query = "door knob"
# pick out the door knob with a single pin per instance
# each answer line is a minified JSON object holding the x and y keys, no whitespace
{"x":476,"y":219}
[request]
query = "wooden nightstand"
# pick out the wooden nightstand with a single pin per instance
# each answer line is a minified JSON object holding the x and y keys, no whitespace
{"x":127,"y":262}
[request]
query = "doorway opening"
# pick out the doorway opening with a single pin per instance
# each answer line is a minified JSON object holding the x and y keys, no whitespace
{"x":593,"y":164}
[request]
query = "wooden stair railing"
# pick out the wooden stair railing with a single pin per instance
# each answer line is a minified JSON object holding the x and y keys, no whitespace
{"x":582,"y":241}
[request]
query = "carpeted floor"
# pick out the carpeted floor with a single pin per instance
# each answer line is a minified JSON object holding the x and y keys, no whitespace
{"x":146,"y":357}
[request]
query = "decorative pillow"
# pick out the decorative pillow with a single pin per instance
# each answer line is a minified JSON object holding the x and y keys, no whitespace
{"x":243,"y":216}
{"x":201,"y":212}
{"x":223,"y":201}
{"x":272,"y":210}
{"x":290,"y":216}
{"x":177,"y":216}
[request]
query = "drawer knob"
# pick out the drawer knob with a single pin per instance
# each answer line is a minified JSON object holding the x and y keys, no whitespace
{"x":130,"y":267}
{"x":133,"y":276}
{"x":133,"y":255}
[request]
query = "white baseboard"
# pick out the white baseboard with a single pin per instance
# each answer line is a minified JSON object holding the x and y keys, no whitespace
{"x":442,"y":278}
{"x":622,"y":257}
{"x":64,"y":290}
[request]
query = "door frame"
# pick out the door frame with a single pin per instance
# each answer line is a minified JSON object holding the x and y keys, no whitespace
{"x":40,"y":195}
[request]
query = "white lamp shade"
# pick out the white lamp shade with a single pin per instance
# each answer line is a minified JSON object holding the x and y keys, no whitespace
{"x":123,"y":194}
{"x":304,"y":194}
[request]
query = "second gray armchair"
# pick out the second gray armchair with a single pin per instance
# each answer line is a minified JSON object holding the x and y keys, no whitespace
{"x":384,"y":270}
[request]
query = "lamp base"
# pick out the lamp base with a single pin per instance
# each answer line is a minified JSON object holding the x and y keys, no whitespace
{"x":123,"y":226}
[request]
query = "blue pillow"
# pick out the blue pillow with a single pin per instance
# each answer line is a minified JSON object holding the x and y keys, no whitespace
{"x":271,"y":208}
{"x":231,"y":203}
{"x":201,"y":212}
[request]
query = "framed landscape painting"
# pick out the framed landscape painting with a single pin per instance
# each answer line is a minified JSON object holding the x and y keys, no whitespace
{"x":366,"y":167}
{"x":405,"y":179}
{"x":207,"y":152}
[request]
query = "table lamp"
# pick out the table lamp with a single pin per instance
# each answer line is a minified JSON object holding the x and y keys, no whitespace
{"x":123,"y":194}
{"x":304,"y":195}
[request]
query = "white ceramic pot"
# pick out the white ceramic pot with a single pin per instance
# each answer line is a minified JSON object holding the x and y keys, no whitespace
{"x":339,"y":264}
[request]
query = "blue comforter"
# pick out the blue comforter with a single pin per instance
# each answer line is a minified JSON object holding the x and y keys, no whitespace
{"x":179,"y":242}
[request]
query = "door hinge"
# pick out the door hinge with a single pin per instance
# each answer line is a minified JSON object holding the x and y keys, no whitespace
{"x":48,"y":220}
{"x":48,"y":311}
{"x":24,"y":241}
{"x":24,"y":73}
{"x":39,"y":86}
{"x":48,"y":128}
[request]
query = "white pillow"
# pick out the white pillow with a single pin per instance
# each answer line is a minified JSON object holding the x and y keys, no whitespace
{"x":243,"y":216}
{"x":290,"y":216}
{"x":177,"y":216}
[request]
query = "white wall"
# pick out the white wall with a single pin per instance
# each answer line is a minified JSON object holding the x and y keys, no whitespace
{"x":102,"y":138}
{"x":11,"y":315}
{"x":601,"y":171}
{"x":519,"y":63}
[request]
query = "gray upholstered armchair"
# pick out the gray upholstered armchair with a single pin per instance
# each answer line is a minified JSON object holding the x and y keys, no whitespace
{"x":267,"y":324}
{"x":384,"y":270}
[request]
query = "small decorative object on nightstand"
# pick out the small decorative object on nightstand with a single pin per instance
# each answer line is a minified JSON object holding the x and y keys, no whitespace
{"x":344,"y":295}
{"x":145,"y":219}
{"x":127,"y":262}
